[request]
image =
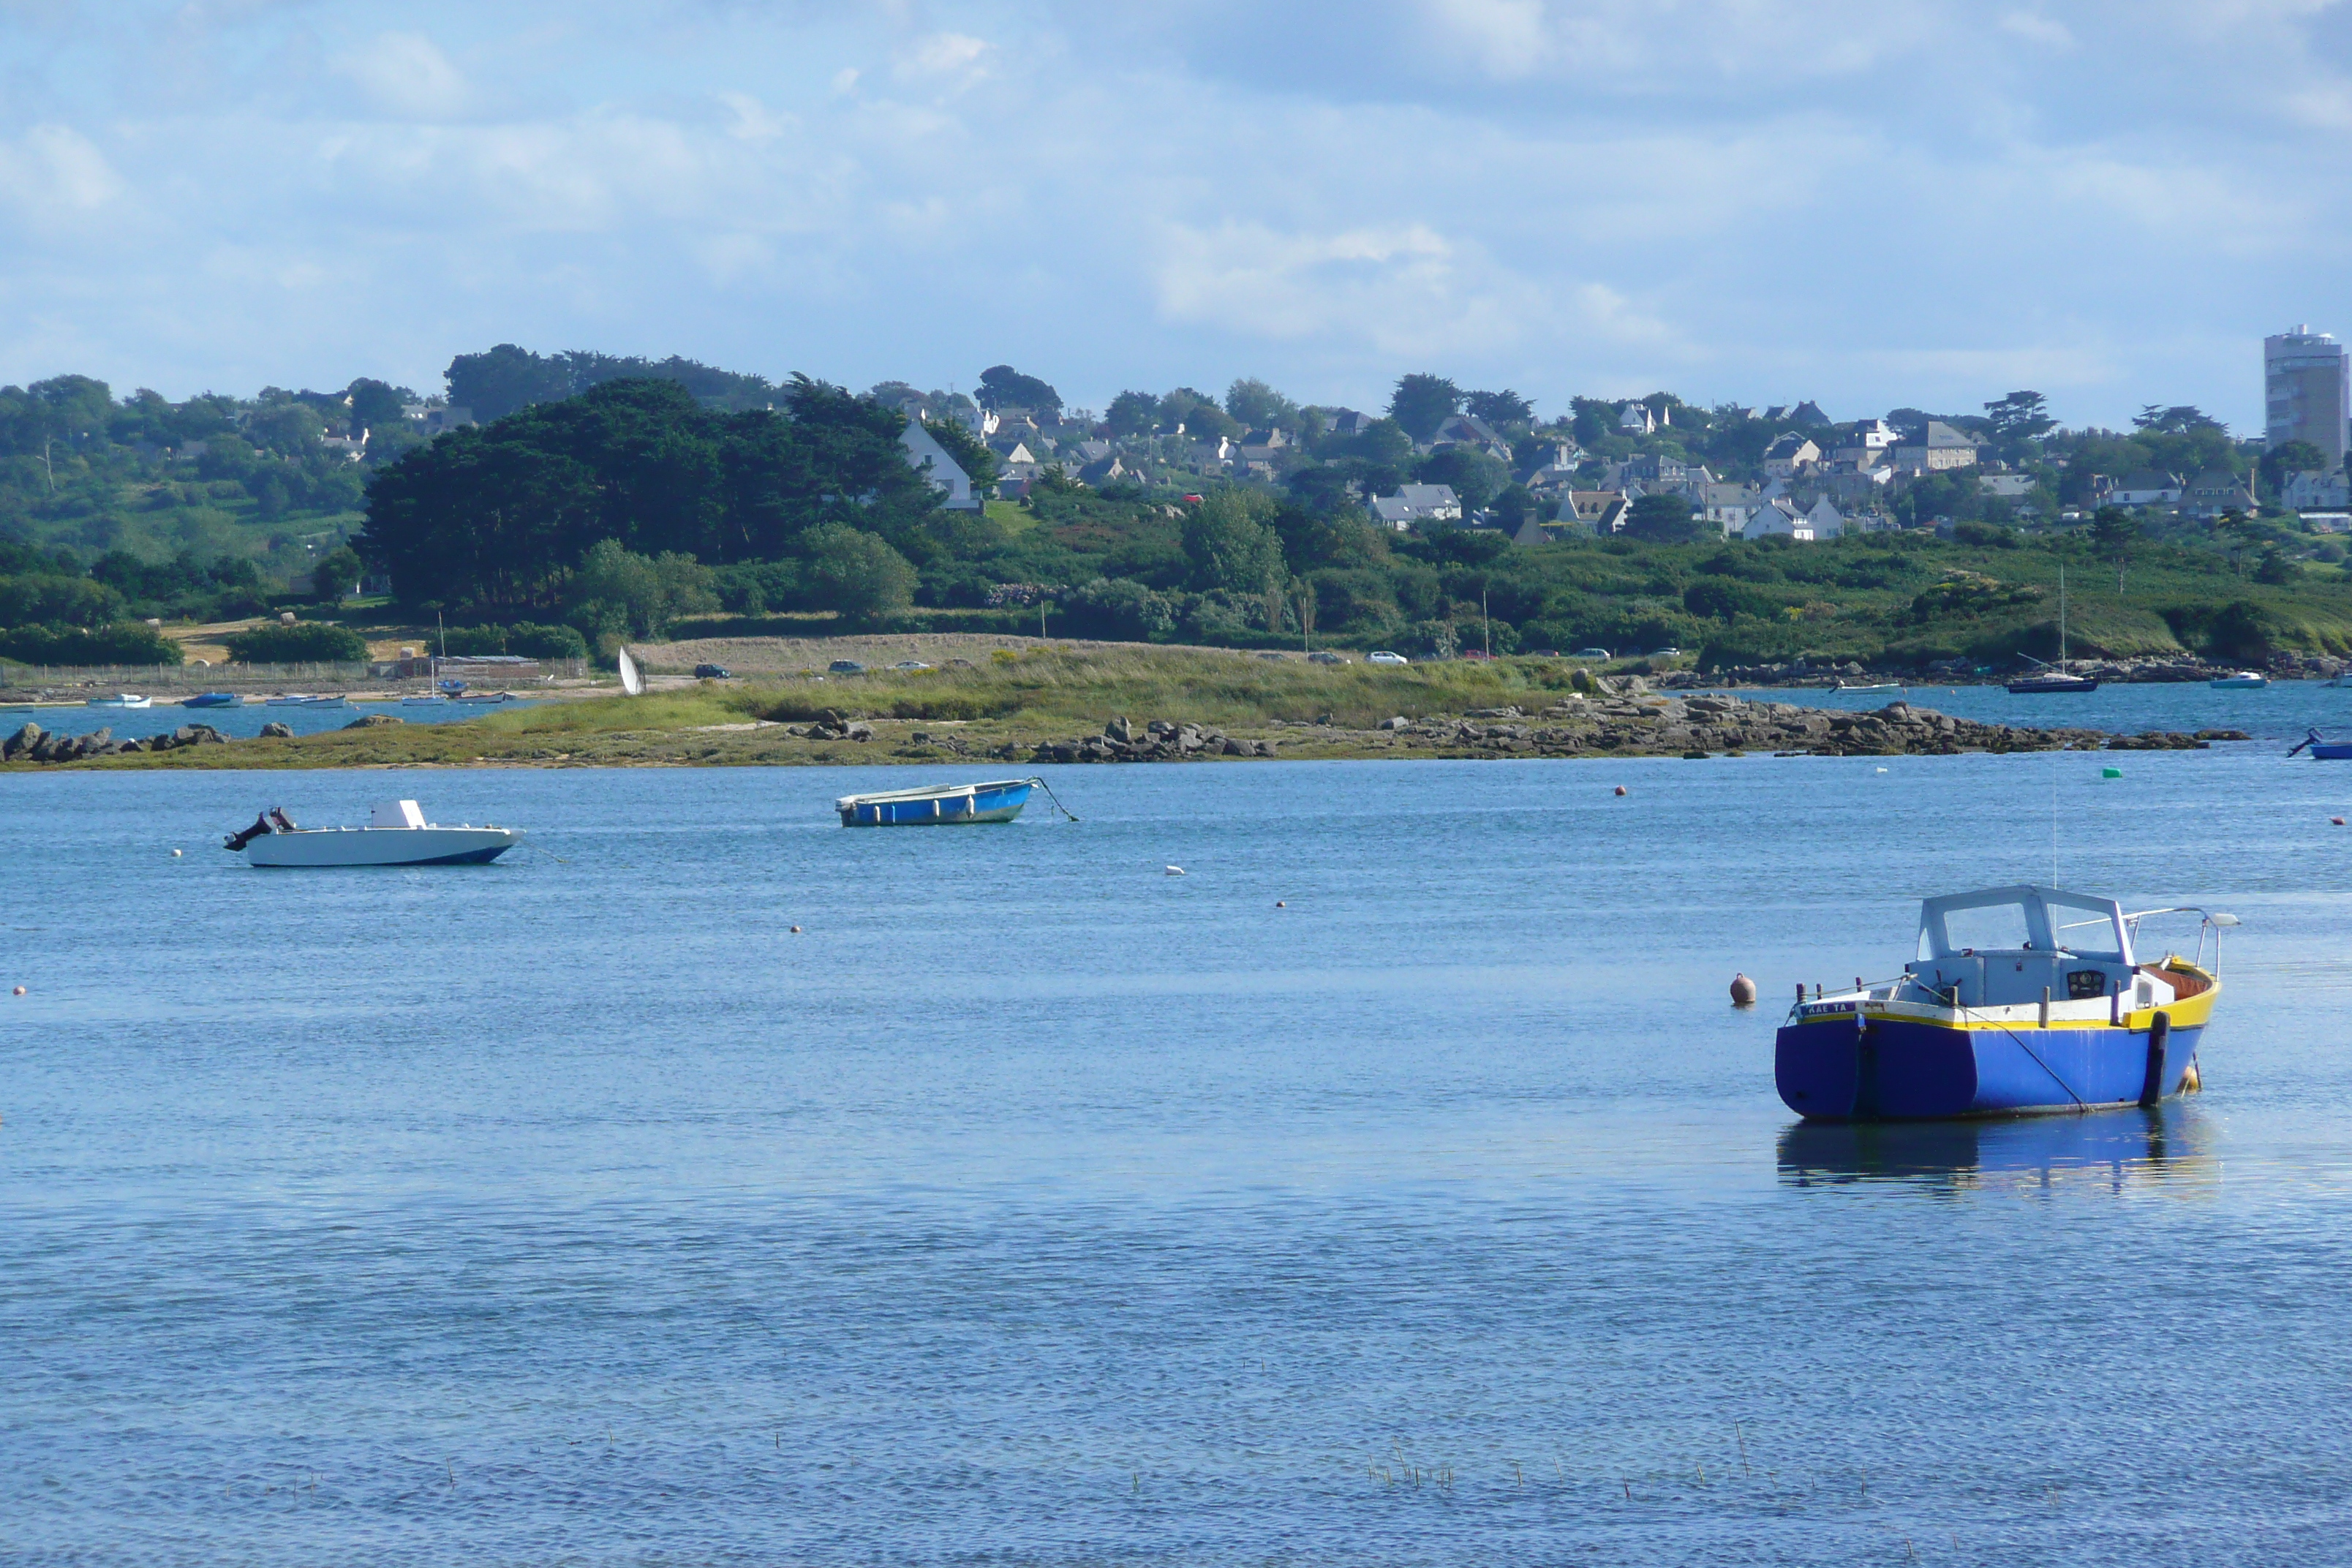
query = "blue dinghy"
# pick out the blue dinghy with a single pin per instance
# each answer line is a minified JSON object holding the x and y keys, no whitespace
{"x":2022,"y":999}
{"x":2324,"y":751}
{"x":937,"y":806}
{"x":213,"y":699}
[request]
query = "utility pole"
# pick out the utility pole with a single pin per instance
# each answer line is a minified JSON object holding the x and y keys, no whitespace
{"x":1485,"y":626}
{"x":44,"y":464}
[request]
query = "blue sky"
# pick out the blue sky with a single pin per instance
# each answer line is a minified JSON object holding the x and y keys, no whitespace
{"x":1912,"y":202}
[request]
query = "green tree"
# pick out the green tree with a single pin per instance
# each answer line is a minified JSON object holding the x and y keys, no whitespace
{"x":2291,"y":457}
{"x":616,"y":590}
{"x":304,"y":642}
{"x":504,"y":379}
{"x":858,"y":576}
{"x":1661,"y":520}
{"x":1001,"y":386}
{"x":1501,"y":409}
{"x":1228,"y":545}
{"x":1257,"y":407}
{"x":2019,"y":416}
{"x":377,"y":404}
{"x":1476,"y":478}
{"x":337,"y":574}
{"x":1423,"y":403}
{"x":2114,"y":533}
{"x":1132,"y":413}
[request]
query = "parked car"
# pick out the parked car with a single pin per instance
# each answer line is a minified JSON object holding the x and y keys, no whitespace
{"x":845,"y":667}
{"x":1666,"y":653}
{"x":1591,"y":653}
{"x":1321,"y":656}
{"x":1383,"y":656}
{"x":713,"y":672}
{"x":910,"y":664}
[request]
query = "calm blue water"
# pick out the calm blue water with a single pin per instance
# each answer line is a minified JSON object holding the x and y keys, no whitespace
{"x":2285,"y":710}
{"x":241,"y":723}
{"x":1034,"y":1206}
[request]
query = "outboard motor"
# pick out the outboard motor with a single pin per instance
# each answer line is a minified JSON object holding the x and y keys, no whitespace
{"x":239,"y":840}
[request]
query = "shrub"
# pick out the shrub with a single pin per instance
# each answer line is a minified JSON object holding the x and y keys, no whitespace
{"x":125,"y":642}
{"x":305,"y":642}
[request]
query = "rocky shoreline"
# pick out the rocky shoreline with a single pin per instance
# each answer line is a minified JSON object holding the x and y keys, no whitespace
{"x":1652,"y":724}
{"x":2174,"y":670}
{"x":1628,"y":722}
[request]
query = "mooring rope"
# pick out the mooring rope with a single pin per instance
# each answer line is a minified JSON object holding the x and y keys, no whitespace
{"x":1041,"y":784}
{"x":2080,"y":1103}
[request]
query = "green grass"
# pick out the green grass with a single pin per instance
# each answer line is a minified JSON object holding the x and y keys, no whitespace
{"x":1048,"y":688}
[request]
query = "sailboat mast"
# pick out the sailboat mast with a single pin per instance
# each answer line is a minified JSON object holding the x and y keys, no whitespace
{"x":2061,"y":621}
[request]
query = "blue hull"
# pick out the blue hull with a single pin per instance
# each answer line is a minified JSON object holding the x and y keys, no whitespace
{"x":938,"y":811}
{"x":470,"y":857}
{"x":1902,"y":1069}
{"x":214,"y":700}
{"x":2332,"y":752}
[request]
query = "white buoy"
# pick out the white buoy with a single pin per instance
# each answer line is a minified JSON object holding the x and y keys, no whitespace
{"x":797,"y":930}
{"x":1879,"y":769}
{"x":175,"y":854}
{"x":1175,"y":870}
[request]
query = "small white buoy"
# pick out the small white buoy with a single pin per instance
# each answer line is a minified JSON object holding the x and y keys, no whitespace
{"x":1743,"y":990}
{"x":175,"y":854}
{"x":797,"y":930}
{"x":1175,"y":870}
{"x":1879,"y":769}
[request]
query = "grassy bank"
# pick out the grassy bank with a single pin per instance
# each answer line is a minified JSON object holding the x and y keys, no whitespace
{"x":1004,"y":707}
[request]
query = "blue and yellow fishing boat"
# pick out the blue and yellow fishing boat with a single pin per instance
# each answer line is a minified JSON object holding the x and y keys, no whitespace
{"x":2020,"y":999}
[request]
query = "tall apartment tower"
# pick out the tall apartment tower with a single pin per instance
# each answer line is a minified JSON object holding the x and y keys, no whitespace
{"x":2307,"y":387}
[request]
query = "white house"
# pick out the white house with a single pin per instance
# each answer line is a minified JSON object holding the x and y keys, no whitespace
{"x":1824,"y":522}
{"x":1635,"y":419}
{"x":1774,"y":516}
{"x":1418,"y":503}
{"x":2145,"y":488}
{"x":2316,"y":492}
{"x":947,"y":476}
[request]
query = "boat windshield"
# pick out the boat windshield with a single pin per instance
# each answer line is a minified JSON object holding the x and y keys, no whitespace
{"x":2023,"y":918}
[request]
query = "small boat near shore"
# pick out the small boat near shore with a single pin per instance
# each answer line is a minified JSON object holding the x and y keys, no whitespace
{"x":1879,"y":689}
{"x":937,"y":805}
{"x":2240,"y":680}
{"x":2022,"y":999}
{"x":2322,"y":750}
{"x":397,"y":834}
{"x":121,"y":700}
{"x":304,"y":700}
{"x":213,"y":699}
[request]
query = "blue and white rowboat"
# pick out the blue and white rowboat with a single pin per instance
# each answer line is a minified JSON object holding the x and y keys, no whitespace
{"x":937,"y":805}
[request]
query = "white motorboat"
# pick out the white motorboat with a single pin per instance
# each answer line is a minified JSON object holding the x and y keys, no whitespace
{"x":122,"y":700}
{"x":397,"y":834}
{"x":2240,"y":680}
{"x":424,"y":701}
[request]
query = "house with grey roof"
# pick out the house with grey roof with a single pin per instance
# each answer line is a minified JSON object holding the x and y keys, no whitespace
{"x":1936,"y":448}
{"x":1417,"y":503}
{"x":2142,"y":486}
{"x":2215,"y":492}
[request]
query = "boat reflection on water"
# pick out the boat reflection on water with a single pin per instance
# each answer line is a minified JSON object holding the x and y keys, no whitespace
{"x":2168,"y":1143}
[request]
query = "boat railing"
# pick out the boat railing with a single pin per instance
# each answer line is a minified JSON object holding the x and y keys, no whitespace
{"x":2209,"y":921}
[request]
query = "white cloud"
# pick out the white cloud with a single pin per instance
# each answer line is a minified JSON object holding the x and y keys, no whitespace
{"x":954,"y":57}
{"x":407,"y":76}
{"x":2038,"y":28}
{"x":54,"y":172}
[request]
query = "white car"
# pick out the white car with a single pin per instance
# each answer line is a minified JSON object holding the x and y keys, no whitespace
{"x":910,"y":664}
{"x":1384,"y":657}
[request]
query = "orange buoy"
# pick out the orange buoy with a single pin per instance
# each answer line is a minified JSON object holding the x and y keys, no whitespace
{"x":1620,"y":789}
{"x":1743,"y":990}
